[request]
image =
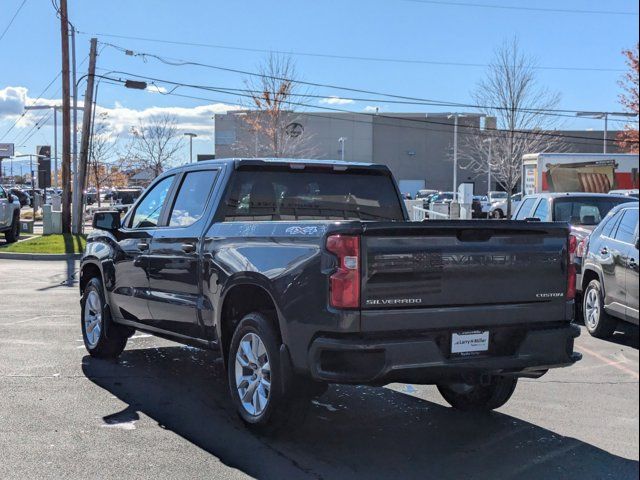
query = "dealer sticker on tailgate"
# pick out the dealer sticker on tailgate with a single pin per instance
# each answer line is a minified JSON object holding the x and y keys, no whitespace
{"x":469,"y":342}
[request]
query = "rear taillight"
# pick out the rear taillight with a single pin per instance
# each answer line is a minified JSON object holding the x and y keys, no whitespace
{"x":344,"y":284}
{"x":571,"y":268}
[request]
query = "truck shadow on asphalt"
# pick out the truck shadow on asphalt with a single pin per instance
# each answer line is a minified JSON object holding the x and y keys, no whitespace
{"x":350,"y":431}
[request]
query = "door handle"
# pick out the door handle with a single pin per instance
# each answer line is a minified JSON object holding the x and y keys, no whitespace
{"x":188,"y":247}
{"x":604,"y":251}
{"x":142,"y":246}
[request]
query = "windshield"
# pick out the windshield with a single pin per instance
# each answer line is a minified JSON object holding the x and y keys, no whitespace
{"x":312,"y":195}
{"x":498,"y":195}
{"x":584,"y":210}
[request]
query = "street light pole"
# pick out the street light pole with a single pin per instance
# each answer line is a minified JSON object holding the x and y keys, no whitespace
{"x":455,"y":156}
{"x":33,"y":187}
{"x":490,"y":140}
{"x":341,"y":141}
{"x":605,"y":117}
{"x":191,"y":136}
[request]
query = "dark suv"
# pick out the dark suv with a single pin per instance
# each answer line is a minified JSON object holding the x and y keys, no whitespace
{"x":610,"y":272}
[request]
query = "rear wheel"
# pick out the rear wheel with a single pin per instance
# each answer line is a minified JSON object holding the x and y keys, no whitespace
{"x":479,"y":397}
{"x":102,"y":337}
{"x":598,"y":322}
{"x":13,"y":234}
{"x":264,"y":399}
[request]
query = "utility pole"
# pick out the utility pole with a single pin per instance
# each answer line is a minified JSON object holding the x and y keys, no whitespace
{"x":66,"y":121}
{"x":74,"y":143}
{"x":86,"y":133}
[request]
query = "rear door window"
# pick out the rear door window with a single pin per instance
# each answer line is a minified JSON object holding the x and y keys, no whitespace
{"x":542,"y":210}
{"x":191,"y":199}
{"x":525,"y":208}
{"x":627,"y":227}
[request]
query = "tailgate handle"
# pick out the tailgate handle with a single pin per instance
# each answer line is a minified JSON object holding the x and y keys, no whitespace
{"x":474,"y":235}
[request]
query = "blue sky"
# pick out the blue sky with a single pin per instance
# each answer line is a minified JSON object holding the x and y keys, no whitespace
{"x":401,"y":29}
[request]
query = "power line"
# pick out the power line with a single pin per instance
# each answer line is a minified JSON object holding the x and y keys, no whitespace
{"x":527,"y":9}
{"x":32,"y":103}
{"x":181,"y":62}
{"x":12,"y":19}
{"x":336,"y":56}
{"x":421,"y":121}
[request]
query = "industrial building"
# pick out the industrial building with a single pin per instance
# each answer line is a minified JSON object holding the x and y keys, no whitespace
{"x":417,"y":147}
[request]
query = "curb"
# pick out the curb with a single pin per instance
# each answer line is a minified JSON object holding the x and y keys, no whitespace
{"x":40,"y":256}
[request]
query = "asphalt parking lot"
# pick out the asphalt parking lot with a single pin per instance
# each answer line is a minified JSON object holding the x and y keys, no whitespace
{"x":162,"y":411}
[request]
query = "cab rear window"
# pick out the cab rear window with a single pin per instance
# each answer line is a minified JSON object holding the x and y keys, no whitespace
{"x":262,"y":195}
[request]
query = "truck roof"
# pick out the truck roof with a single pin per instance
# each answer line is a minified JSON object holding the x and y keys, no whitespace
{"x":238,"y":162}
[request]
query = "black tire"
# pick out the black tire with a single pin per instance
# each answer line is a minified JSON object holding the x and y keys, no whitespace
{"x":288,"y":399}
{"x":13,"y":234}
{"x":497,"y":214}
{"x":598,"y":322}
{"x":112,"y":338}
{"x":480,"y":397}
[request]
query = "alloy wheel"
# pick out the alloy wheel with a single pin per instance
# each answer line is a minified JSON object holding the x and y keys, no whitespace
{"x":592,"y":309}
{"x":93,"y":318}
{"x":253,"y":374}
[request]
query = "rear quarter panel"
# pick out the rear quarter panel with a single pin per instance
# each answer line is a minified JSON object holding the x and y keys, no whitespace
{"x":286,"y":259}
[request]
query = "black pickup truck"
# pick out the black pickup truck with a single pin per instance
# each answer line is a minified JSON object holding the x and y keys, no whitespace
{"x":305,"y":273}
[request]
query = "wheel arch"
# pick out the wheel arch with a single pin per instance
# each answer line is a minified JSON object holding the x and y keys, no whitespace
{"x":243,"y":297}
{"x":589,"y":275}
{"x":89,"y":269}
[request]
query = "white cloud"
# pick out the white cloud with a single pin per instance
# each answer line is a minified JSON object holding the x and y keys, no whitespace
{"x":194,"y":119}
{"x":156,"y":89}
{"x":119,"y":118}
{"x":12,"y":100}
{"x":372,"y":108}
{"x":336,"y":101}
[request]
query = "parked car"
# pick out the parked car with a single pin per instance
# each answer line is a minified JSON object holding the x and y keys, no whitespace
{"x":630,"y":192}
{"x":583,"y":211}
{"x":23,"y":197}
{"x":304,"y":273}
{"x":610,"y":272}
{"x":425,"y":193}
{"x":496,"y":196}
{"x":498,"y":209}
{"x":439,"y":197}
{"x":9,"y":215}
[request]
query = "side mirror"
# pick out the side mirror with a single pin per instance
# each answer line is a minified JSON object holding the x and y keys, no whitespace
{"x":10,"y":197}
{"x":108,"y":220}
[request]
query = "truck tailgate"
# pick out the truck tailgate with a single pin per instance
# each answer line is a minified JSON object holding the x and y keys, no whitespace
{"x":462,"y":263}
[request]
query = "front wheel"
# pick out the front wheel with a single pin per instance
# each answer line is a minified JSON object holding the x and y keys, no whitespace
{"x":13,"y":234}
{"x":265,"y":401}
{"x":102,"y":337}
{"x":497,"y":214}
{"x":479,"y":397}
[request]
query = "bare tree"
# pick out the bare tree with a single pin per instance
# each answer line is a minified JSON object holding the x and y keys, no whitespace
{"x":155,"y":144}
{"x":102,"y":149}
{"x":272,"y":125}
{"x":511,"y":94}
